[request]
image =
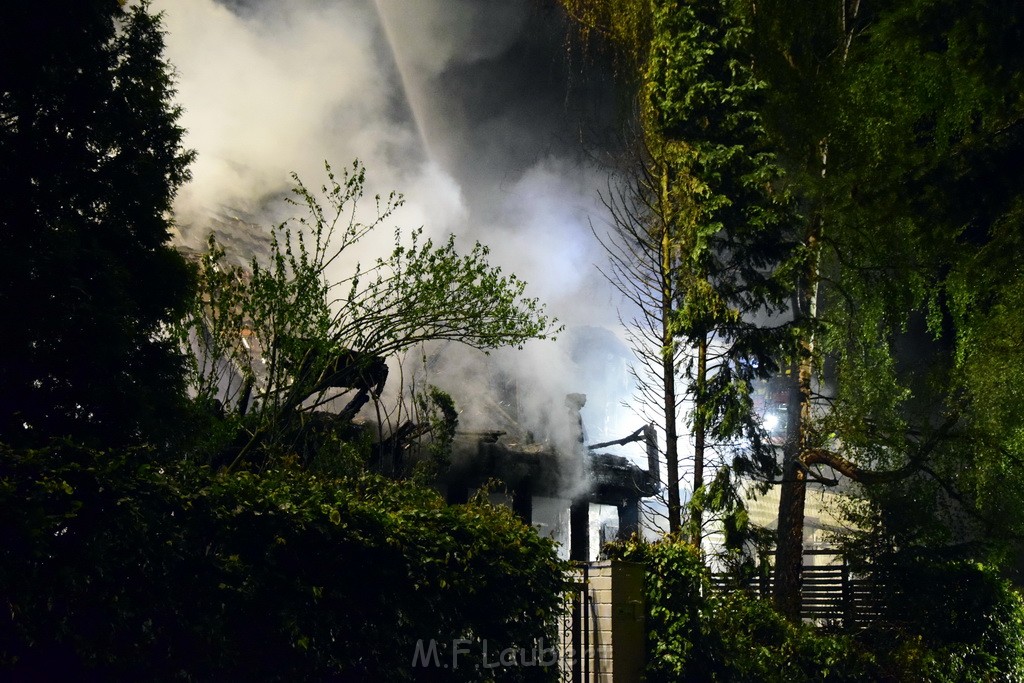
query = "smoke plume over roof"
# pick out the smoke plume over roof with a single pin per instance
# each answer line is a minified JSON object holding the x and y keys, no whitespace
{"x":462,"y":105}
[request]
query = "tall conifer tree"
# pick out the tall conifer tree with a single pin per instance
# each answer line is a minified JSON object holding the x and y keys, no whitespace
{"x":704,"y":218}
{"x":90,"y":158}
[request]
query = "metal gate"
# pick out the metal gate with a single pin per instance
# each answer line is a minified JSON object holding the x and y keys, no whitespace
{"x":574,"y":628}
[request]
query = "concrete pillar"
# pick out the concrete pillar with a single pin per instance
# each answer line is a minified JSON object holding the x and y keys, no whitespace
{"x":522,"y":501}
{"x":629,"y":518}
{"x":457,"y":493}
{"x":653,"y":454}
{"x":579,"y":530}
{"x":616,"y":625}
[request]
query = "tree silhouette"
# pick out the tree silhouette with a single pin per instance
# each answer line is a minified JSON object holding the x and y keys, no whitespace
{"x":92,"y":157}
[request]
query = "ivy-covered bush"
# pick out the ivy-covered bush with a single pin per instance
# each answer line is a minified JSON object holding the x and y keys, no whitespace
{"x":756,"y":643}
{"x":114,"y":567}
{"x":675,"y":586}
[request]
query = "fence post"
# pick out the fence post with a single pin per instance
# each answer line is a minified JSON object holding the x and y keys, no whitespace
{"x":849,"y":615}
{"x":764,"y":589}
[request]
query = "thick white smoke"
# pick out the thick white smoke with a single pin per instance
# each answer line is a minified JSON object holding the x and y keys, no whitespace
{"x":431,"y":96}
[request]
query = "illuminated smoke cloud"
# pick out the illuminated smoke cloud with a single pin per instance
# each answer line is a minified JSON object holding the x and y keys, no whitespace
{"x":461,"y":105}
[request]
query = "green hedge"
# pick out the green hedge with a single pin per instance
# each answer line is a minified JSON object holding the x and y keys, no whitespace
{"x":947,"y":622}
{"x":696,"y":635}
{"x":118,"y":568}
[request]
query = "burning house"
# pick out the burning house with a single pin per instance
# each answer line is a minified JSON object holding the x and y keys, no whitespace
{"x":539,"y":457}
{"x":533,"y":471}
{"x":516,"y":429}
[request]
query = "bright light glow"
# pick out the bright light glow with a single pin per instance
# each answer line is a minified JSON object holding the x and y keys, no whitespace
{"x":771,"y":422}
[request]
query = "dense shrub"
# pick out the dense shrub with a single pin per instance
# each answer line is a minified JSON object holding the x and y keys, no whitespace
{"x":695,"y":635}
{"x":114,"y":567}
{"x":757,"y":644}
{"x":947,"y":622}
{"x":951,"y":620}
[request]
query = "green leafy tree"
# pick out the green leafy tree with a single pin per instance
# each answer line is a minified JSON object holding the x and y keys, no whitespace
{"x":898,"y":132}
{"x":92,"y":158}
{"x":896,"y":127}
{"x":279,"y":341}
{"x":800,"y":52}
{"x":941,"y":100}
{"x":857,"y":288}
{"x":719,"y":174}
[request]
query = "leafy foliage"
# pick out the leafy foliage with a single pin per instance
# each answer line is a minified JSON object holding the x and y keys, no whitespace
{"x":702,"y":123}
{"x":898,"y":124}
{"x":129,"y":563}
{"x":674,"y":585}
{"x":696,"y":635}
{"x":276,"y":343}
{"x":973,"y":634}
{"x":975,"y":631}
{"x":922,"y":314}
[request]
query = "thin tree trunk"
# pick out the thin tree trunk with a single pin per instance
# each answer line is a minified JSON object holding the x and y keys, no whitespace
{"x":671,"y":446}
{"x":699,"y":435}
{"x":668,"y":364}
